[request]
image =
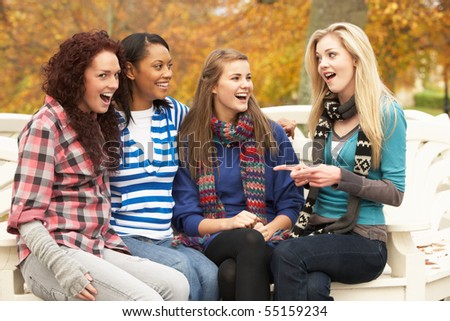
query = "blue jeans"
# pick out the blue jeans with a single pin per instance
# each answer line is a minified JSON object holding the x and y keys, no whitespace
{"x":198,"y":269}
{"x":304,"y":267}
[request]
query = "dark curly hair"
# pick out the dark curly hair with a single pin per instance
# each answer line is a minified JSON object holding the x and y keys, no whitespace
{"x":64,"y":81}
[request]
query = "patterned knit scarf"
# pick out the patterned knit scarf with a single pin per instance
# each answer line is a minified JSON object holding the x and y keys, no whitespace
{"x":251,"y":166}
{"x":252,"y":173}
{"x":334,"y":111}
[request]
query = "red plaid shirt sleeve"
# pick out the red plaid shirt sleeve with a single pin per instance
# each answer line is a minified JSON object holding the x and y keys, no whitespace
{"x":34,"y":176}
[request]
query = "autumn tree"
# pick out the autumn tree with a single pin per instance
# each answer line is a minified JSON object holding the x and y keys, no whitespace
{"x":272,"y":35}
{"x":409,"y":38}
{"x":30,"y":33}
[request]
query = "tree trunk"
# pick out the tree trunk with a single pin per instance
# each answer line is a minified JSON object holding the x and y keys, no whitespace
{"x":324,"y":13}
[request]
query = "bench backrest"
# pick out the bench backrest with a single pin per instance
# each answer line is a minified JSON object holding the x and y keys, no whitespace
{"x":299,"y":114}
{"x":10,"y":126}
{"x":427,"y":195}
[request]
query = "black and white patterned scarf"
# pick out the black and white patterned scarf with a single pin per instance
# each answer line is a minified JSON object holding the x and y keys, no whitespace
{"x":363,"y":159}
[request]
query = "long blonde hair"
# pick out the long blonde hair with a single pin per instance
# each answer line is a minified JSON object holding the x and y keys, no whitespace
{"x":370,"y":92}
{"x":196,"y":129}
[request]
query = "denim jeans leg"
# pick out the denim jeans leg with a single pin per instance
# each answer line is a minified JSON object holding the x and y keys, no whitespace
{"x":348,"y":258}
{"x":206,"y":270}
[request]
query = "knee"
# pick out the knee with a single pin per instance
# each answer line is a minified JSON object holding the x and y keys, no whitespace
{"x":282,"y":252}
{"x":252,"y":239}
{"x":287,"y":258}
{"x":178,"y":288}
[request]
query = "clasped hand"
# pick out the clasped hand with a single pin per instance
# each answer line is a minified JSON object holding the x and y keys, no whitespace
{"x":246,"y":219}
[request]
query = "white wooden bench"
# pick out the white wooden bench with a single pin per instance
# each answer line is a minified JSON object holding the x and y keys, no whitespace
{"x":12,"y":123}
{"x":429,"y":178}
{"x":422,"y":220}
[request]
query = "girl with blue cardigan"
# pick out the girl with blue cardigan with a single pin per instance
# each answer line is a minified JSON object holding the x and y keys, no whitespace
{"x":229,"y":203}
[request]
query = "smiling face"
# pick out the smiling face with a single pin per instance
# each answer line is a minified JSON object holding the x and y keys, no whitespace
{"x":336,"y":66}
{"x":101,"y":80}
{"x":233,"y":90}
{"x":150,"y":76}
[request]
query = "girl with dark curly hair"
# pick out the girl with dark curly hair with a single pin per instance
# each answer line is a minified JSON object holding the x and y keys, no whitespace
{"x":60,"y":206}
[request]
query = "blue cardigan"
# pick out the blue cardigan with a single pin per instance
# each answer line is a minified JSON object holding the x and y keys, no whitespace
{"x":282,"y":196}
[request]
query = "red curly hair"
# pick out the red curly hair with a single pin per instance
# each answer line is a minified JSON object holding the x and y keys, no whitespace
{"x":64,"y":81}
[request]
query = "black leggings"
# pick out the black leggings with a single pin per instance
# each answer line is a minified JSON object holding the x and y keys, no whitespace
{"x":243,"y":259}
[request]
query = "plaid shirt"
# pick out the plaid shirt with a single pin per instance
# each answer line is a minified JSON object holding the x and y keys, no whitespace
{"x":55,"y":183}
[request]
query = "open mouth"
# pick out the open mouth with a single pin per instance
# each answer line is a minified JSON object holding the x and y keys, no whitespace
{"x":329,"y":75}
{"x":106,"y":97}
{"x":163,"y":85}
{"x":241,"y":97}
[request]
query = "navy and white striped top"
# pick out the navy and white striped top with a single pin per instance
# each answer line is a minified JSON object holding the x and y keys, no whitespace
{"x":141,"y":191}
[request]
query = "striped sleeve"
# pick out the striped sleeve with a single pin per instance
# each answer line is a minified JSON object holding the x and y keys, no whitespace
{"x":179,"y":111}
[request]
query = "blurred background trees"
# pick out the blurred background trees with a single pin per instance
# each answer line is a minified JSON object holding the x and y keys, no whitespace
{"x":410,"y":37}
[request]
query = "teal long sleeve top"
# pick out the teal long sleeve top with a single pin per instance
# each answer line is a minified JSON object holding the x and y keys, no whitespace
{"x":332,"y":202}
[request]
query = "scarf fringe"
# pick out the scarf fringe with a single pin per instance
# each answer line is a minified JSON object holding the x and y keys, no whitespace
{"x":196,"y":242}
